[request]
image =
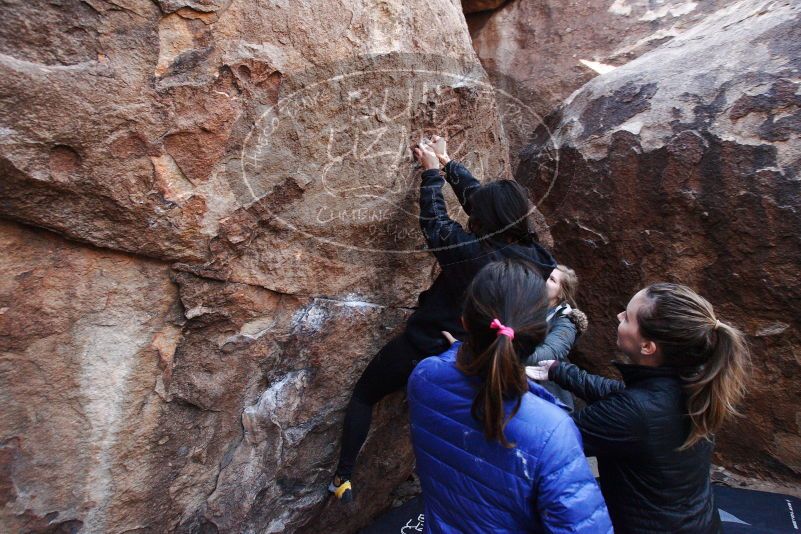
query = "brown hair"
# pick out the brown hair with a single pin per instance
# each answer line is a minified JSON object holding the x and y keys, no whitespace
{"x":684,"y":326}
{"x":514,"y":293}
{"x":569,"y":285}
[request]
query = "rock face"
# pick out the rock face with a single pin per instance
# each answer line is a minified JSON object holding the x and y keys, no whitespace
{"x":210,"y":226}
{"x":137,"y":398}
{"x":543,"y":51}
{"x":683,"y":165}
{"x":168,"y":132}
{"x":82,"y":330}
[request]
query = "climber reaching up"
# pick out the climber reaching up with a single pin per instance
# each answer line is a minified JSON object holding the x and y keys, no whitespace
{"x":498,"y":228}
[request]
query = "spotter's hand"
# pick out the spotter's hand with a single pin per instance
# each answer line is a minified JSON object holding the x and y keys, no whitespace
{"x":540,"y":371}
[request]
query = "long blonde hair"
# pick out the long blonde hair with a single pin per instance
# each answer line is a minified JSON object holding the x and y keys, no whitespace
{"x":684,"y":326}
{"x":569,"y":285}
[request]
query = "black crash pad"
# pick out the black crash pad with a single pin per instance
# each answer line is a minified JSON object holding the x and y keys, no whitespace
{"x":742,"y":511}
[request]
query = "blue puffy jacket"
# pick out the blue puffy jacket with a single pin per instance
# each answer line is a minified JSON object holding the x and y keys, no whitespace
{"x":471,"y":484}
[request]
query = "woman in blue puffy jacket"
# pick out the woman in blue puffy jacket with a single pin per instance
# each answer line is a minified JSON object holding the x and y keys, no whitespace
{"x":494,"y":452}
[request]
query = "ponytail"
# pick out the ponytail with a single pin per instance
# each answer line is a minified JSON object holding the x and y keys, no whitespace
{"x":510,"y":293}
{"x":684,"y":326}
{"x":505,"y":379}
{"x":717,"y":387}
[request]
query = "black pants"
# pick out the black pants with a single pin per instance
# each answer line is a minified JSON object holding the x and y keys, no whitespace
{"x":388,"y":372}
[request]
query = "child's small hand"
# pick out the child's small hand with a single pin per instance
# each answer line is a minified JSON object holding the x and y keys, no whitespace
{"x":440,"y":149}
{"x":540,"y":371}
{"x":426,"y":156}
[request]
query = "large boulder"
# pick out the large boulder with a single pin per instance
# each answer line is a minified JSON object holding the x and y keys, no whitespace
{"x":543,"y":51}
{"x":170,"y":129}
{"x":683,"y":165}
{"x":210,"y":228}
{"x":81,"y":332}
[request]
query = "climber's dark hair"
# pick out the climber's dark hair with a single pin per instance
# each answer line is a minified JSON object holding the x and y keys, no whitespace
{"x":513,"y":292}
{"x":685,"y":328}
{"x":500,"y":210}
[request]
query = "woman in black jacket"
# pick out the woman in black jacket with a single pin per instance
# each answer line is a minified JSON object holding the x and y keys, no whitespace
{"x":653,"y":432}
{"x":498,"y":228}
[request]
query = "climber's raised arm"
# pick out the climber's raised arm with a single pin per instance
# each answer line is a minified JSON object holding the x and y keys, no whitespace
{"x":445,"y":237}
{"x":462,"y":181}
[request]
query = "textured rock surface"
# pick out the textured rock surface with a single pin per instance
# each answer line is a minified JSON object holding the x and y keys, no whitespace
{"x":543,"y":51}
{"x":684,"y":165}
{"x":234,"y":235}
{"x":135,"y":402}
{"x":80,"y":333}
{"x":152,"y":132}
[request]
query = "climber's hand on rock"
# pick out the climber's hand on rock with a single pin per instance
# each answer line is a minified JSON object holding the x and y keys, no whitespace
{"x":449,"y":337}
{"x":540,"y":371}
{"x":440,"y":149}
{"x":426,"y":156}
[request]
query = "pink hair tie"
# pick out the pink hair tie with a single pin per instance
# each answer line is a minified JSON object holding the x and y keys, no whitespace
{"x":502,"y":330}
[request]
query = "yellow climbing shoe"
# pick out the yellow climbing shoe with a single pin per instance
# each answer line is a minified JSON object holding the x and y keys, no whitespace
{"x":341,"y":489}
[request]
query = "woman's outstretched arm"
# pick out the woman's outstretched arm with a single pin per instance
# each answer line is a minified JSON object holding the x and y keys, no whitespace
{"x":445,"y":237}
{"x":611,"y":427}
{"x":611,"y":423}
{"x":462,"y":182}
{"x":586,"y":386}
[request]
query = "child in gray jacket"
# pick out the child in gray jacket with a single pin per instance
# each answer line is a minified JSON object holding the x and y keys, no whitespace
{"x":566,"y":322}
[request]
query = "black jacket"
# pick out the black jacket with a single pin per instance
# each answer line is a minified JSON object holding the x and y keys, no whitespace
{"x":634,"y":428}
{"x":461,"y":255}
